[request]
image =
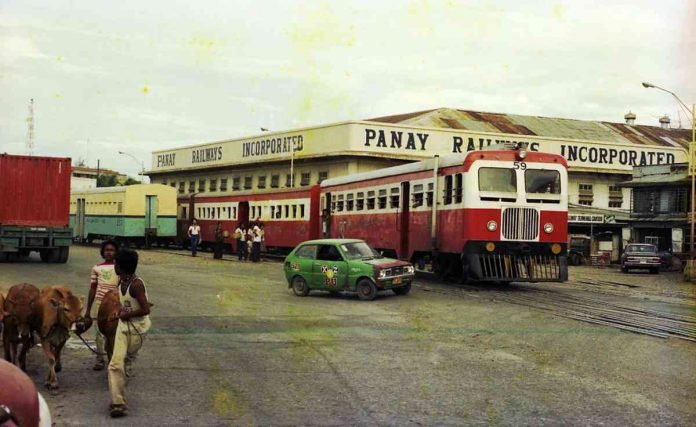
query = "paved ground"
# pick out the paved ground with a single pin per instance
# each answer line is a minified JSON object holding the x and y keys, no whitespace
{"x":231,"y":345}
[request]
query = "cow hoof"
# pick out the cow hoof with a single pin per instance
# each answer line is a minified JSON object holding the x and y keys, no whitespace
{"x":51,"y":386}
{"x":59,"y":367}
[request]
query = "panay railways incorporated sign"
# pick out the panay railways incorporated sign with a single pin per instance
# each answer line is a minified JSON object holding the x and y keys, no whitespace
{"x":365,"y":138}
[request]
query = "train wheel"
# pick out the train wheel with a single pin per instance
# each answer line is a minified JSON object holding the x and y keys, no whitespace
{"x":402,"y":290}
{"x":299,"y":286}
{"x":367,"y":291}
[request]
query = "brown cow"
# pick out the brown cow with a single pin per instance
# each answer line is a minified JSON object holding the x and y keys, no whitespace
{"x":107,"y":319}
{"x":57,"y":311}
{"x":19,"y":321}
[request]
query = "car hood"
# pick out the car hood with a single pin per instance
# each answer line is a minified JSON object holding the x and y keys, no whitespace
{"x":386,"y":262}
{"x":642,"y":253}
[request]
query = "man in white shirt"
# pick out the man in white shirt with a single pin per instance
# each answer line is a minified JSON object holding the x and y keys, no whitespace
{"x":194,"y":233}
{"x":240,"y":234}
{"x":257,"y":232}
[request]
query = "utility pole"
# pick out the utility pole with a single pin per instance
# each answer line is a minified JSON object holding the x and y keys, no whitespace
{"x":30,"y":128}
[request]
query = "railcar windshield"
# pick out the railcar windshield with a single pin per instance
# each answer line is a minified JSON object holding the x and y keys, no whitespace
{"x":540,"y":181}
{"x":359,"y":250}
{"x":498,"y":180}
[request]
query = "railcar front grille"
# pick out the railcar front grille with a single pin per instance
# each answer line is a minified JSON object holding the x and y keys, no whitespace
{"x":520,"y":224}
{"x":520,"y":267}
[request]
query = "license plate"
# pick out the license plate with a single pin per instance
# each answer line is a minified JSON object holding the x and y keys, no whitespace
{"x":397,"y":281}
{"x":643,"y":261}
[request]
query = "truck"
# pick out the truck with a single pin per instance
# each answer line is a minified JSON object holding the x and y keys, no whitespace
{"x":35,"y":207}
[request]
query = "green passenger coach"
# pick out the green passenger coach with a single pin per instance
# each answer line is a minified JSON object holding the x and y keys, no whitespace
{"x":142,"y":214}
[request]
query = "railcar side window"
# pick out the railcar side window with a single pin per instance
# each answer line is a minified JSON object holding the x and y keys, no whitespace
{"x":382,"y":199}
{"x":497,"y":179}
{"x":287,"y":211}
{"x":333,"y":203}
{"x":349,"y":202}
{"x":339,"y":203}
{"x":370,"y":200}
{"x":458,"y":190}
{"x":360,"y":201}
{"x":307,"y":251}
{"x":417,"y":195}
{"x":540,"y":181}
{"x":447,"y":191}
{"x":294,"y":211}
{"x":394,"y":197}
{"x":279,"y":212}
{"x":301,"y":211}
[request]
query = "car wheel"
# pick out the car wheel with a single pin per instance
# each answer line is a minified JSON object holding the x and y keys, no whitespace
{"x":402,"y":290}
{"x":367,"y":291}
{"x":299,"y":286}
{"x":624,"y":270}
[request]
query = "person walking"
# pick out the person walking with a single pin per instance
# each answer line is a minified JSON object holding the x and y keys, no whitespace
{"x":133,"y":324}
{"x":219,"y":241}
{"x":102,"y":280}
{"x":256,"y":243}
{"x":194,"y":233}
{"x":240,"y":234}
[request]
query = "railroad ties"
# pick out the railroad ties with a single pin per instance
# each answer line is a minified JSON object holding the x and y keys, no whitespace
{"x":591,"y":310}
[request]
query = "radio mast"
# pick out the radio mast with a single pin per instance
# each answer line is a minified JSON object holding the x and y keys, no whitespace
{"x":30,"y":128}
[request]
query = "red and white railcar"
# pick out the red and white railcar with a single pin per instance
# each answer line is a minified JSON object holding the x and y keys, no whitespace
{"x":286,"y":215}
{"x":498,"y":215}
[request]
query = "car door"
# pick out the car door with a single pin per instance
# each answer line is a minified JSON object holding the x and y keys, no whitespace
{"x":303,"y":262}
{"x":329,"y":270}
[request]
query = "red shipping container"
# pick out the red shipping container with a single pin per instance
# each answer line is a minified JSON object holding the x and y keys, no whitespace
{"x":34,"y":191}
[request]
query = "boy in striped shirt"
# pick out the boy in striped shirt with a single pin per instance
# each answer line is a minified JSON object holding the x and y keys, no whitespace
{"x":102,"y":280}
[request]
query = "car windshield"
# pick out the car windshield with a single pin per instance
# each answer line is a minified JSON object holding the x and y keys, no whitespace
{"x":359,"y":250}
{"x":641,"y":248}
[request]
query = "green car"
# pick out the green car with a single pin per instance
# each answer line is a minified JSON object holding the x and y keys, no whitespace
{"x":337,"y":265}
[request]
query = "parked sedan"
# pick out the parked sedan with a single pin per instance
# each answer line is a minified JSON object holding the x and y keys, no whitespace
{"x":640,"y":256}
{"x":337,"y":265}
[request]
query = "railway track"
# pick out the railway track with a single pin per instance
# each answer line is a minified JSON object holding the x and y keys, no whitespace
{"x":586,"y":309}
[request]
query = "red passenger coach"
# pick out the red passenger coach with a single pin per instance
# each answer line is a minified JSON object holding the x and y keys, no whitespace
{"x":286,"y":215}
{"x":494,"y":215}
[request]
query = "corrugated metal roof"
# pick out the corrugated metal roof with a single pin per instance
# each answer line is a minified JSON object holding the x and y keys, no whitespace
{"x":543,"y":126}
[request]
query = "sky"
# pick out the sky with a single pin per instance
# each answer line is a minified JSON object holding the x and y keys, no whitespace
{"x":138,"y":76}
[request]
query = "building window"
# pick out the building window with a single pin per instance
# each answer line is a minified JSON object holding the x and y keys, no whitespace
{"x":289,"y":180}
{"x":275,"y":181}
{"x":236,"y":183}
{"x":213,"y":185}
{"x":172,"y":184}
{"x":247,"y":182}
{"x":201,"y":186}
{"x":585,"y":194}
{"x":305,"y":179}
{"x":615,"y":196}
{"x":223,"y":184}
{"x":261,"y":180}
{"x":192,"y":186}
{"x":322,"y":176}
{"x":182,"y":187}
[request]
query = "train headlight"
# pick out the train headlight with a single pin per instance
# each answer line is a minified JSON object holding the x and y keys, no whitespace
{"x":492,"y":226}
{"x":490,"y":246}
{"x":556,"y":249}
{"x":548,"y":228}
{"x":522,"y":154}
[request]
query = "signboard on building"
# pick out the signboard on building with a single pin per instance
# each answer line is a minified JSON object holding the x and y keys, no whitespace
{"x":366,"y":138}
{"x":595,"y":219}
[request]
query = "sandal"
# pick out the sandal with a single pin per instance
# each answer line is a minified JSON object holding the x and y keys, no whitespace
{"x":117,"y":411}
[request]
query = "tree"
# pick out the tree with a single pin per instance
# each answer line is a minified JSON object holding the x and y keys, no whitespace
{"x":131,"y":181}
{"x":107,"y":181}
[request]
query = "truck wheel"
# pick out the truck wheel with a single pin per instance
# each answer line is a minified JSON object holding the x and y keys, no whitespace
{"x":402,"y":290}
{"x":299,"y":286}
{"x":367,"y":291}
{"x":54,"y":255}
{"x":64,"y":254}
{"x":45,"y":255}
